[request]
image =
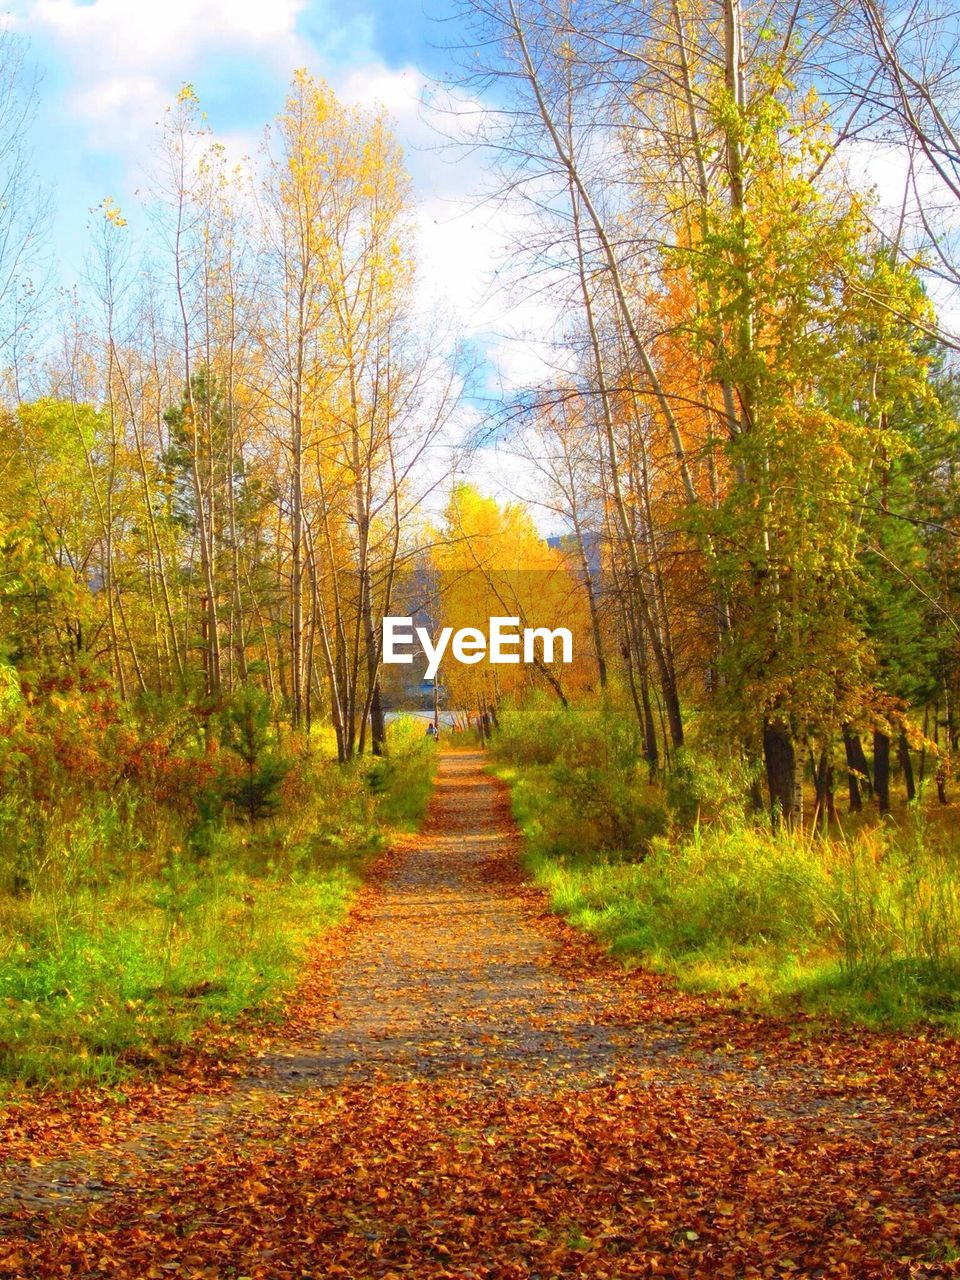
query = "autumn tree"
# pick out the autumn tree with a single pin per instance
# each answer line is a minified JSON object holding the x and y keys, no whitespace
{"x":491,"y":561}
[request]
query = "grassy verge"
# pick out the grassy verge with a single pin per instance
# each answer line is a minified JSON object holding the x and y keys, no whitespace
{"x":867,"y":928}
{"x":117,"y":960}
{"x":403,"y":780}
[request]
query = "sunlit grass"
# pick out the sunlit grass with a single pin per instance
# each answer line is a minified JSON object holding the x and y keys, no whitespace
{"x":116,"y":960}
{"x":865,"y":927}
{"x":130,"y":974}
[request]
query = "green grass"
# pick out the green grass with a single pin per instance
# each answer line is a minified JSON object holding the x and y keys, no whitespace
{"x":403,"y":780}
{"x":124,"y":977}
{"x":868,"y":929}
{"x":116,"y":960}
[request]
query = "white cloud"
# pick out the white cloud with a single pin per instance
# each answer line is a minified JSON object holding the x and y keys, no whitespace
{"x":520,"y":363}
{"x":240,"y":146}
{"x":128,"y":57}
{"x":508,"y":476}
{"x":469,"y":259}
{"x":467,"y":249}
{"x":374,"y":85}
{"x":131,"y":32}
{"x":461,"y":242}
{"x":911,"y":202}
{"x":127,"y":101}
{"x":125,"y":60}
{"x":884,"y":168}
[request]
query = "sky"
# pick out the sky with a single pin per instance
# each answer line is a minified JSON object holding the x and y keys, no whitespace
{"x":109,"y":68}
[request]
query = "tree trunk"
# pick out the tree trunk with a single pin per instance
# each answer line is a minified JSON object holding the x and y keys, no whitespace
{"x":906,"y":766}
{"x":826,"y":811}
{"x":942,"y":783}
{"x":781,"y":764}
{"x":756,"y":796}
{"x":595,"y":630}
{"x":881,"y":770}
{"x":296,"y":575}
{"x":378,"y":724}
{"x":650,"y":752}
{"x":858,"y":775}
{"x":665,"y":671}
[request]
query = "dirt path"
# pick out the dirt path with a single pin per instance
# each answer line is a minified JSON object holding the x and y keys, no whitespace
{"x":451,"y":980}
{"x":471,"y":1090}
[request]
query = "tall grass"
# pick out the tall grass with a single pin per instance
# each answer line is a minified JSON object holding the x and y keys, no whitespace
{"x":867,"y":925}
{"x":588,"y":760}
{"x":126,"y":926}
{"x":403,"y":780}
{"x":126,"y":975}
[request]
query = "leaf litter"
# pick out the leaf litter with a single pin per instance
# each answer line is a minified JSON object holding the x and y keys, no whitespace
{"x":466,"y":1087}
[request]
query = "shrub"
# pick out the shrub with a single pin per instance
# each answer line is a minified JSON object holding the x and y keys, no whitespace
{"x":124,"y":940}
{"x":702,"y":785}
{"x":247,"y":733}
{"x":593,"y":810}
{"x":593,"y":798}
{"x":597,"y":734}
{"x":896,"y":900}
{"x":737,"y":886}
{"x":402,"y":780}
{"x":868,"y":925}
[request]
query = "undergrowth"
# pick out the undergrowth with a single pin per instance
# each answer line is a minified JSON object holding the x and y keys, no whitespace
{"x":866,"y":926}
{"x":130,"y":925}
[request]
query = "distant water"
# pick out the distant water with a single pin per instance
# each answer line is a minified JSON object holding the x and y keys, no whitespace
{"x":446,"y":717}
